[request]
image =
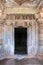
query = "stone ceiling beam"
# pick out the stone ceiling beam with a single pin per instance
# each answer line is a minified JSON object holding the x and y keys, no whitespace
{"x":21,"y":10}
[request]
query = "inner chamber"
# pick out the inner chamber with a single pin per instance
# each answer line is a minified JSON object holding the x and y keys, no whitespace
{"x":20,"y":40}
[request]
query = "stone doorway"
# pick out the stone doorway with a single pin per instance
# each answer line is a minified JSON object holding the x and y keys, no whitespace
{"x":20,"y":40}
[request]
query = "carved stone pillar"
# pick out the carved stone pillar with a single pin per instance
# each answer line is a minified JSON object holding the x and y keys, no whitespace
{"x":32,"y":39}
{"x":29,"y":40}
{"x":8,"y":39}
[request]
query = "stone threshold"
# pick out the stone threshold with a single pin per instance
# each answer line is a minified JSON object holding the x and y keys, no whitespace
{"x":38,"y":55}
{"x":16,"y":56}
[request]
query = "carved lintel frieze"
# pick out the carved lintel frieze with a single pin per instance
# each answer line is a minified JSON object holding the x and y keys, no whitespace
{"x":20,"y":16}
{"x":16,"y":23}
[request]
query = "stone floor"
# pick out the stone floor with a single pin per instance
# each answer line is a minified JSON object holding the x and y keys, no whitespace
{"x":21,"y":62}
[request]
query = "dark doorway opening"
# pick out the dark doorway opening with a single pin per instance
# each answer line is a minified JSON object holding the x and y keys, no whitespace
{"x":20,"y":40}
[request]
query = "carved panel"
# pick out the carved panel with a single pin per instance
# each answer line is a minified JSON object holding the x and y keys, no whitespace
{"x":2,"y":6}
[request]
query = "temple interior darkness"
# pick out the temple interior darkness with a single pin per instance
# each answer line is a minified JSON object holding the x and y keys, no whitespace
{"x":20,"y":40}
